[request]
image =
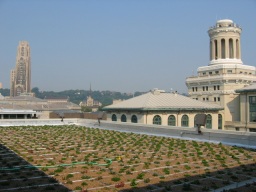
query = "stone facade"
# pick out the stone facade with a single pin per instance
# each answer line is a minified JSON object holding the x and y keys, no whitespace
{"x":20,"y":77}
{"x":225,"y":73}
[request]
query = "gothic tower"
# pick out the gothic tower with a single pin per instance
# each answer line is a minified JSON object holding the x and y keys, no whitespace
{"x":21,"y":75}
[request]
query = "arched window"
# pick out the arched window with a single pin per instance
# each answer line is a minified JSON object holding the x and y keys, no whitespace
{"x":208,"y":121}
{"x":172,"y":120}
{"x":219,"y":121}
{"x":123,"y":118}
{"x":157,"y":120}
{"x":184,"y":121}
{"x":231,"y":48}
{"x":223,"y":49}
{"x":114,"y":117}
{"x":134,"y":119}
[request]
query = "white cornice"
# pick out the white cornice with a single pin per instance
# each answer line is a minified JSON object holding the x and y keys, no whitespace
{"x":225,"y":66}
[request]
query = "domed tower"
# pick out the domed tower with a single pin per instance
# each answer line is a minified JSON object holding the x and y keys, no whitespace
{"x":225,"y":43}
{"x":225,"y":72}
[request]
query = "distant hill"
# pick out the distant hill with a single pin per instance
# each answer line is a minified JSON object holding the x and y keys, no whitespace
{"x":76,"y":96}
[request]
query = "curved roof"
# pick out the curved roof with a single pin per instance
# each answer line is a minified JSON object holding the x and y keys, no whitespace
{"x":225,"y":21}
{"x":162,"y":101}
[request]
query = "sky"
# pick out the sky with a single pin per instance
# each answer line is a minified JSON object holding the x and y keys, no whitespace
{"x":117,"y":45}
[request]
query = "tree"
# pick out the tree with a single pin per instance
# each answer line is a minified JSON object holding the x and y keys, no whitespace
{"x":86,"y":109}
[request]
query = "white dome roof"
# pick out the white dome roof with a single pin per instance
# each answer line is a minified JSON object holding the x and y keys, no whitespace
{"x":225,"y":21}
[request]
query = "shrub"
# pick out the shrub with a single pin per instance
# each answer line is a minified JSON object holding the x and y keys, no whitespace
{"x":115,"y":179}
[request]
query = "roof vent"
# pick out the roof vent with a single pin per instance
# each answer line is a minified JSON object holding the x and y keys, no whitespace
{"x":156,"y":91}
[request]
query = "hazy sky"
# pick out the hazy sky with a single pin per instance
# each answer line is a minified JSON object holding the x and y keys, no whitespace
{"x":118,"y":45}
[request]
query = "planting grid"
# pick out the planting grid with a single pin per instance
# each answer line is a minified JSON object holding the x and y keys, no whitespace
{"x":90,"y":159}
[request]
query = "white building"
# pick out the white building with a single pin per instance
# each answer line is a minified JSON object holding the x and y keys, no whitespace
{"x":162,"y":108}
{"x":225,"y":72}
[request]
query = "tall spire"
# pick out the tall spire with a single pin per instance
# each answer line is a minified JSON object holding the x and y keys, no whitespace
{"x":90,"y":89}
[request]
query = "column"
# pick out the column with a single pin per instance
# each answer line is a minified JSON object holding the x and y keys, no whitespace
{"x":234,"y":49}
{"x":227,"y":47}
{"x":219,"y":48}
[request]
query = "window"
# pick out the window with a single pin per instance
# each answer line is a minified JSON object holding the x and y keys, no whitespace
{"x":157,"y":120}
{"x":216,"y":72}
{"x":204,"y":73}
{"x":214,"y":87}
{"x":184,"y":121}
{"x":114,"y":117}
{"x":218,"y":87}
{"x":203,"y":88}
{"x":214,"y":99}
{"x":196,"y":88}
{"x":218,"y":98}
{"x":123,"y":118}
{"x":134,"y":119}
{"x":203,"y":99}
{"x":172,"y":120}
{"x":219,"y":121}
{"x":206,"y":88}
{"x":229,"y":71}
{"x":210,"y":73}
{"x":208,"y":121}
{"x":252,"y":108}
{"x":193,"y":89}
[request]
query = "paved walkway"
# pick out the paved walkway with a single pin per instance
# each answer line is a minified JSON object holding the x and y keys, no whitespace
{"x":235,"y":185}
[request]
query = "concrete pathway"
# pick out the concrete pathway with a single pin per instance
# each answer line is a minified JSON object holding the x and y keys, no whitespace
{"x":235,"y":185}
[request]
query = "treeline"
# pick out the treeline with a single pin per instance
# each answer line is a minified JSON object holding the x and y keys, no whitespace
{"x":76,"y":96}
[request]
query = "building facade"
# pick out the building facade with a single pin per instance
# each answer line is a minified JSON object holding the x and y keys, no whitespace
{"x":163,"y":108}
{"x":247,"y":122}
{"x":225,"y":72}
{"x":20,"y":77}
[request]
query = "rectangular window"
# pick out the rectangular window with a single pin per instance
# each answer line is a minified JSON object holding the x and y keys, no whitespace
{"x":252,"y":108}
{"x":206,"y":88}
{"x":218,"y":98}
{"x":210,"y":73}
{"x":218,"y":87}
{"x":204,"y":73}
{"x":203,"y":99}
{"x":214,"y":87}
{"x":229,"y":71}
{"x":193,"y":89}
{"x":214,"y":99}
{"x":207,"y":99}
{"x":216,"y":72}
{"x":203,"y":88}
{"x":196,"y":88}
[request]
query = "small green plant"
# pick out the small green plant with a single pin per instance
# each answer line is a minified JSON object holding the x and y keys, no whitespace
{"x":133,"y":183}
{"x":115,"y":179}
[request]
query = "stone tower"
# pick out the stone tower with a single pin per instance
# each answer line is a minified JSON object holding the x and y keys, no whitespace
{"x":21,"y":75}
{"x":225,"y":72}
{"x":225,"y":43}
